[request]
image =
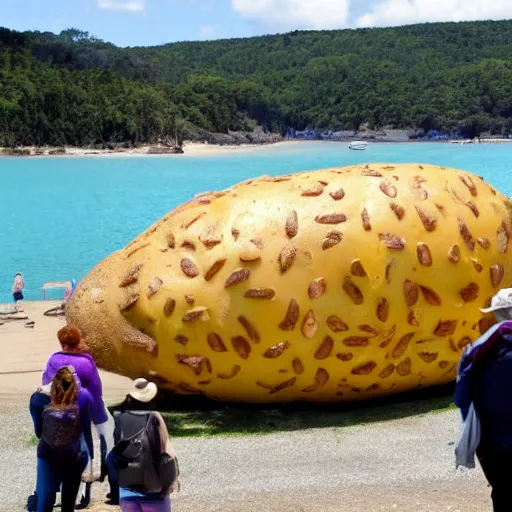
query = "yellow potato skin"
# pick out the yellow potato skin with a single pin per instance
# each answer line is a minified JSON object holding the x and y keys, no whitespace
{"x":150,"y":309}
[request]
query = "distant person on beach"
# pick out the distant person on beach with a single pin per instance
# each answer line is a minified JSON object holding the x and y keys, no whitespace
{"x":485,"y":380}
{"x":143,"y":457}
{"x":17,"y":287}
{"x":61,"y":415}
{"x":74,"y":353}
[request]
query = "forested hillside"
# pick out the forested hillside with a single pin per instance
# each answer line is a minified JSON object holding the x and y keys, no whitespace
{"x":75,"y":89}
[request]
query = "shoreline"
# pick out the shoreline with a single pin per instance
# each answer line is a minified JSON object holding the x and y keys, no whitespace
{"x":194,"y":149}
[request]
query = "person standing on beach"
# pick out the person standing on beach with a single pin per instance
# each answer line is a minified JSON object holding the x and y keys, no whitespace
{"x":485,"y":380}
{"x":74,"y":353}
{"x":61,"y":416}
{"x":143,"y":458}
{"x":17,"y":287}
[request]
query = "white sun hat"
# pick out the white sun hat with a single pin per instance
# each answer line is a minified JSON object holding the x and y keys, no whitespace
{"x":502,"y":300}
{"x":143,"y":391}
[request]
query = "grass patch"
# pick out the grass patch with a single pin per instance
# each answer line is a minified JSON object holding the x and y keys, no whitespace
{"x":32,"y":440}
{"x":188,"y":416}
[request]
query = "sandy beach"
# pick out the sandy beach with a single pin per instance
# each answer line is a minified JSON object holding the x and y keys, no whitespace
{"x":189,"y":148}
{"x":24,"y":352}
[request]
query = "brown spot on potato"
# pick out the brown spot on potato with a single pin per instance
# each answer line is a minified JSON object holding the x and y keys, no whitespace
{"x":169,"y":306}
{"x":497,"y":273}
{"x":286,"y":384}
{"x":429,"y":221}
{"x":337,"y":195}
{"x":132,"y":276}
{"x":137,"y":249}
{"x":241,"y":346}
{"x":336,"y":324}
{"x":215,"y":342}
{"x":331,"y":218}
{"x":315,"y":191}
{"x":364,"y":369}
{"x":393,"y":242}
{"x":237,"y":276}
{"x":190,"y":299}
{"x":357,"y":269}
{"x":325,"y":349}
{"x":386,"y":337}
{"x":411,"y":292}
{"x":356,"y":341}
{"x":398,"y":210}
{"x":188,"y":245}
{"x":181,"y":339}
{"x":402,"y":345}
{"x":464,"y":342}
{"x":309,"y":324}
{"x":292,"y":224}
{"x":383,"y":310}
{"x":355,"y":294}
{"x":277,"y":350}
{"x":466,"y":234}
{"x":389,"y":189}
{"x":298,"y":367}
{"x":454,"y":254}
{"x":190,"y":222}
{"x":424,"y":255}
{"x":331,"y":239}
{"x":198,"y":364}
{"x":317,"y":288}
{"x":287,"y":257}
{"x":430,"y":296}
{"x":428,"y":357}
{"x":189,"y":268}
{"x":387,"y":371}
{"x":470,"y":292}
{"x":249,"y":329}
{"x":210,"y":238}
{"x":503,"y":238}
{"x":404,"y":368}
{"x":469,"y":184}
{"x":216,"y":267}
{"x":445,"y":328}
{"x":412,"y":318}
{"x":194,"y":314}
{"x":365,"y":217}
{"x":260,"y":293}
{"x":345,"y":356}
{"x":171,"y":241}
{"x":153,"y":287}
{"x":485,"y":243}
{"x":129,"y":302}
{"x":369,"y":329}
{"x":291,"y":317}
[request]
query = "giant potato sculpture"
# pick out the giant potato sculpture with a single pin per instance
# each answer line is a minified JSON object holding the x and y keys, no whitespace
{"x":339,"y":284}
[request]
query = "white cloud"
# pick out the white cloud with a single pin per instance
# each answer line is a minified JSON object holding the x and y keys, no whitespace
{"x":133,"y":6}
{"x":402,"y":12}
{"x":292,"y":14}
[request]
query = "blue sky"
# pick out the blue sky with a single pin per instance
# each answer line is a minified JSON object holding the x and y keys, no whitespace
{"x":151,"y":22}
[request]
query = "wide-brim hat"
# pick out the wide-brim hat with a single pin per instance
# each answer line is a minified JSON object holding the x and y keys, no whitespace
{"x":502,"y":300}
{"x":143,"y":391}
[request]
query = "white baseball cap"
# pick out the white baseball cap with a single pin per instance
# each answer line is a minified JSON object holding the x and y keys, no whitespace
{"x":502,"y":300}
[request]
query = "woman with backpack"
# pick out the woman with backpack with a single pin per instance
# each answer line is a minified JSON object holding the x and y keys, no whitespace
{"x":62,"y":423}
{"x":146,"y":464}
{"x":74,"y":353}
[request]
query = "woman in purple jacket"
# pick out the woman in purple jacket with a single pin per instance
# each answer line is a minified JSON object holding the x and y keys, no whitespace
{"x":73,"y":353}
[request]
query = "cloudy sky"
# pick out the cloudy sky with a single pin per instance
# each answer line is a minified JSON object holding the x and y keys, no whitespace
{"x":149,"y":22}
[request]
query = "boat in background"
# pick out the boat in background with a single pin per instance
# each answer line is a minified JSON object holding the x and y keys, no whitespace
{"x":358,"y":145}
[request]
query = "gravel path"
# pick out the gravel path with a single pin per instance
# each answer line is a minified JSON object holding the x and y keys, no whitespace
{"x":405,"y":465}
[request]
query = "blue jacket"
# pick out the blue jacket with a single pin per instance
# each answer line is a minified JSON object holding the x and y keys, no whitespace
{"x":487,"y":385}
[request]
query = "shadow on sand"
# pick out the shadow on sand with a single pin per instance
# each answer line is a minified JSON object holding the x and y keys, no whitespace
{"x":199,"y":416}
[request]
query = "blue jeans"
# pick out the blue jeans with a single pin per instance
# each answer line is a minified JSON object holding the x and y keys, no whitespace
{"x":146,"y":506}
{"x":51,"y":474}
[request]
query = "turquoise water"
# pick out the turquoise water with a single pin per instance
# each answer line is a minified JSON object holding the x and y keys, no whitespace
{"x":60,"y":216}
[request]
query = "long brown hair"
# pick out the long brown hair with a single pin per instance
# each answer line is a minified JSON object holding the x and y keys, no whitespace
{"x":64,"y":390}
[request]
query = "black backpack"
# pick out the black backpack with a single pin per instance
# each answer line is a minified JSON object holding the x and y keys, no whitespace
{"x":142,"y":467}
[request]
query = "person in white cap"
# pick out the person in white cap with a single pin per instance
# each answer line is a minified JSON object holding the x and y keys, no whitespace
{"x":484,"y":380}
{"x":145,"y":460}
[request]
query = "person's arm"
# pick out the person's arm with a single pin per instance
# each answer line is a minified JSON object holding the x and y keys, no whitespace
{"x":36,"y":407}
{"x":86,"y":420}
{"x":167,"y":447}
{"x":94,"y":386}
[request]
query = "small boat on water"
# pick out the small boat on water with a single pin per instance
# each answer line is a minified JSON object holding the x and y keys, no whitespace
{"x":358,"y":145}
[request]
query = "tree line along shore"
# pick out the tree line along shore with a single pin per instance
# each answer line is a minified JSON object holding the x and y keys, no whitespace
{"x":73,"y":89}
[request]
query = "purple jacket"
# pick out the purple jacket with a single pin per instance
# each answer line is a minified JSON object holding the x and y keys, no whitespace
{"x":87,"y":374}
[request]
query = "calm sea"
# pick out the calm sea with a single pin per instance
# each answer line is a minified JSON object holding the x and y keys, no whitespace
{"x":60,"y":216}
